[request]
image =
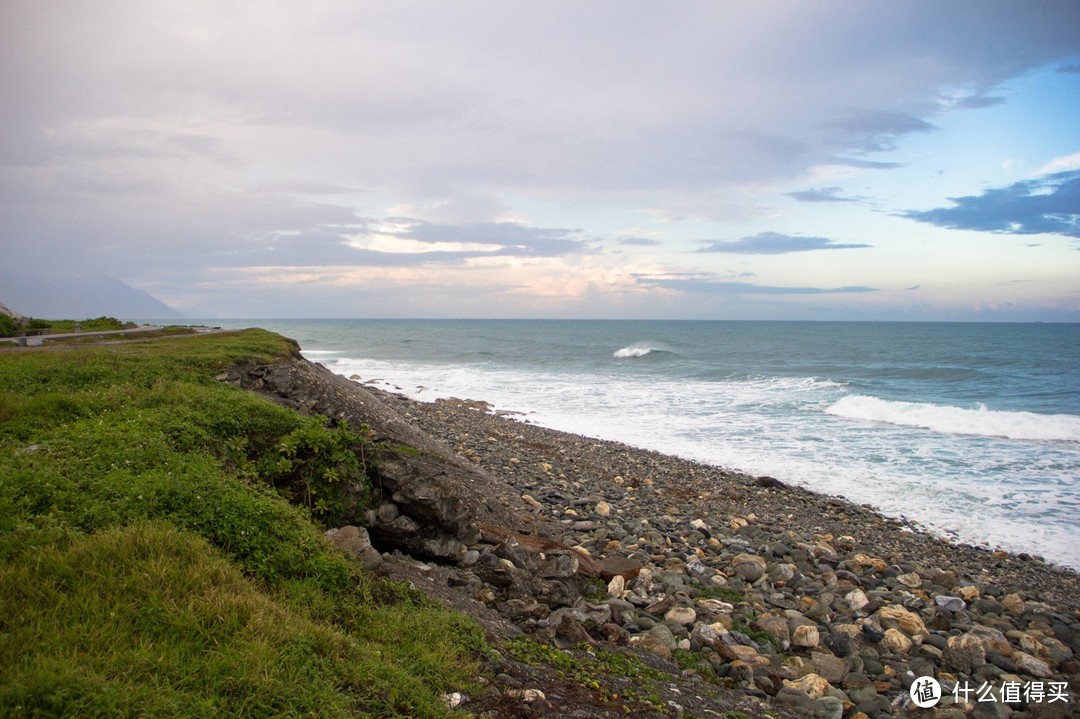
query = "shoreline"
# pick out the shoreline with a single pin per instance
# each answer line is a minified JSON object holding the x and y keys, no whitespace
{"x":460,"y":424}
{"x":743,"y":585}
{"x":946,"y":534}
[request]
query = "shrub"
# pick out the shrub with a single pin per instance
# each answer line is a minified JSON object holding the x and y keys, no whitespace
{"x":151,"y":566}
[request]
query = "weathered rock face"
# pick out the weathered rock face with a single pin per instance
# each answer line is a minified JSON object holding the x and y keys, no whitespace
{"x":432,"y":501}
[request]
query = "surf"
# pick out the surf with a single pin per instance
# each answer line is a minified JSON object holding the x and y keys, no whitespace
{"x":978,"y":421}
{"x":642,"y":349}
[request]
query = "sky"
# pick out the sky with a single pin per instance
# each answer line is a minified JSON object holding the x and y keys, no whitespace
{"x":822,"y":160}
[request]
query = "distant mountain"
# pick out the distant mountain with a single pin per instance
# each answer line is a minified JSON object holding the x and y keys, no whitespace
{"x":80,"y":298}
{"x":10,"y":313}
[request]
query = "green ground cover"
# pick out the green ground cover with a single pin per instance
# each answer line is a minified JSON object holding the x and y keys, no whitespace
{"x":161,"y":551}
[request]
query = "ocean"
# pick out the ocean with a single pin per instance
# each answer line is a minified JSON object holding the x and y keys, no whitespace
{"x":971,"y":431}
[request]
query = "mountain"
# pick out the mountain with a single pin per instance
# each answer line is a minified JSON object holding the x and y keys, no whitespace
{"x":10,"y":313}
{"x":69,"y":297}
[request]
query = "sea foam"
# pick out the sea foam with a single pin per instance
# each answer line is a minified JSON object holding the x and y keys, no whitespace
{"x":958,"y":420}
{"x":640,"y":349}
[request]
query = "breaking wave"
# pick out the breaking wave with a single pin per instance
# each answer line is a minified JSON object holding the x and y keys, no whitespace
{"x":641,"y":349}
{"x":958,"y":420}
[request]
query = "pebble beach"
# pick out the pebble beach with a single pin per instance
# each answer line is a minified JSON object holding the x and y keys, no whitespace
{"x":802,"y":601}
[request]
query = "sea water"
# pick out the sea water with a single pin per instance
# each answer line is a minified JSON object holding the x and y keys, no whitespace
{"x":969,"y":430}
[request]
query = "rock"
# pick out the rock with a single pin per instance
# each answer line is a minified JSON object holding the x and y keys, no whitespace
{"x":570,"y":633}
{"x":795,"y":698}
{"x":715,"y":606}
{"x":776,"y":626}
{"x":839,"y":643}
{"x":992,"y":640}
{"x":652,"y":644}
{"x":602,"y":509}
{"x":1027,"y":664}
{"x":623,"y":566}
{"x":805,"y":636}
{"x":556,"y":565}
{"x":813,"y":685}
{"x":453,"y":700}
{"x":827,"y":708}
{"x":832,"y":669}
{"x":863,"y":561}
{"x":356,"y":542}
{"x":856,"y":599}
{"x":731,"y":652}
{"x":969,"y":593}
{"x":952,"y":604}
{"x":528,"y":696}
{"x":663,"y":634}
{"x":616,"y":587}
{"x":897,"y":617}
{"x":911,"y":580}
{"x":964,"y":653}
{"x":681,"y":615}
{"x":750,"y":567}
{"x":387,"y":512}
{"x":872,"y":632}
{"x":896,"y":641}
{"x":1013,"y":603}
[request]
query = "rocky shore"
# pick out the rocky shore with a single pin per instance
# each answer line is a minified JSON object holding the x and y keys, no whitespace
{"x":735,"y":595}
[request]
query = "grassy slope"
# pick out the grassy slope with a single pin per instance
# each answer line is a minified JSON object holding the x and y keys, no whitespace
{"x":148,"y":568}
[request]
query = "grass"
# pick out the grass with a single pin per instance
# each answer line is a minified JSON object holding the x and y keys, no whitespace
{"x":596,"y":668}
{"x":151,"y":563}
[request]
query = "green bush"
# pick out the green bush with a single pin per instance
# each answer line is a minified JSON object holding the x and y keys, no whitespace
{"x":152,"y":565}
{"x":8,"y":326}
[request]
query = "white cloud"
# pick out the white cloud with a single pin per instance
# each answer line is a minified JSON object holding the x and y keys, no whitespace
{"x":171,"y":137}
{"x":1061,"y":164}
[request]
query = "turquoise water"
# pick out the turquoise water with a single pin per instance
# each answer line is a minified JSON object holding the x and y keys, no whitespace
{"x":972,"y":430}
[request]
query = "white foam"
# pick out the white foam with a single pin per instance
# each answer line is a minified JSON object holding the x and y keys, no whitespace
{"x":1012,"y":493}
{"x":640,"y":349}
{"x":957,"y":420}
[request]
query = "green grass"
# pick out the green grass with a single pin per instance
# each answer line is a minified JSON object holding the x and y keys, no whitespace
{"x":151,"y":563}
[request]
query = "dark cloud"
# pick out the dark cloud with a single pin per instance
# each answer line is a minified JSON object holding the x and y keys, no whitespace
{"x":977,"y":102}
{"x":822,"y":194}
{"x":1049,"y":204}
{"x":775,"y":243}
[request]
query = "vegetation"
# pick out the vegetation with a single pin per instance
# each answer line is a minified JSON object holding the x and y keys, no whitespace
{"x":599,"y":670}
{"x":152,"y":563}
{"x":9,"y":327}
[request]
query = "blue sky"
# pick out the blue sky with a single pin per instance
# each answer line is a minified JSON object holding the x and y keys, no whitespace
{"x":767,"y":160}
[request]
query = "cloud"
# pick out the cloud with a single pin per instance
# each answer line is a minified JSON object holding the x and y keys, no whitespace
{"x":1061,"y":164}
{"x":775,"y":243}
{"x":1049,"y":204}
{"x":638,"y":241}
{"x":878,"y":130}
{"x":200,"y":140}
{"x":721,"y":286}
{"x":978,"y":102}
{"x":823,"y":194}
